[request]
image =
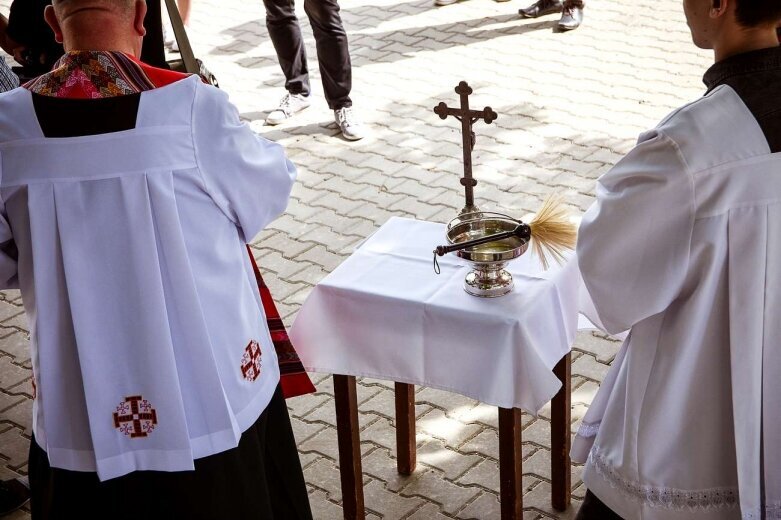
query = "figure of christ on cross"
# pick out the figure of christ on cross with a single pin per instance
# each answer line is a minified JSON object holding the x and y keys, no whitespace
{"x":468,"y":118}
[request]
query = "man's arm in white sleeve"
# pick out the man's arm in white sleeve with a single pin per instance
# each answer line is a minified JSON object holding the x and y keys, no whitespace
{"x":634,"y":242}
{"x":248,"y":177}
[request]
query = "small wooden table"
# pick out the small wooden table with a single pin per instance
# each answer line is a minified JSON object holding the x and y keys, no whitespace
{"x":383,"y":313}
{"x":510,"y":470}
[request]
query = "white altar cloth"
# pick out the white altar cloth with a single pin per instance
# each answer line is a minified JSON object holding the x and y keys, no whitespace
{"x":385,"y":314}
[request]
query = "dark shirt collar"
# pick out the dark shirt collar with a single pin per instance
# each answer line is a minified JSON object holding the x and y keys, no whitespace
{"x":746,"y":63}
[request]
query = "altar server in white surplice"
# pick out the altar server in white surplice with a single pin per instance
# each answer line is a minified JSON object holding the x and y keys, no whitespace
{"x":127,"y":194}
{"x":683,"y":249}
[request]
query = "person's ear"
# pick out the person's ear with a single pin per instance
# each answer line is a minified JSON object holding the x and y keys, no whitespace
{"x":51,"y":19}
{"x":138,"y":17}
{"x":719,"y":7}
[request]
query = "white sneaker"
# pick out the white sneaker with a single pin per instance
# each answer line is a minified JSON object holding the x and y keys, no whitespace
{"x":444,"y":2}
{"x":290,"y":105}
{"x":351,"y":128}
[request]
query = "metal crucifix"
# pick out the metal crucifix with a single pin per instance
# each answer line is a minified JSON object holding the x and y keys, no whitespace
{"x":467,"y":118}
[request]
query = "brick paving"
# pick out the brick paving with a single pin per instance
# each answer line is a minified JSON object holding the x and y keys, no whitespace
{"x":569,"y":106}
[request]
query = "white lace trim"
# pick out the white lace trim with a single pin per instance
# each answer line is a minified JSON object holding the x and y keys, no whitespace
{"x":588,"y":429}
{"x":664,"y":497}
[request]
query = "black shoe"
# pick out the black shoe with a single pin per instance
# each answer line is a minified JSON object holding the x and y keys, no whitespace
{"x":13,"y":495}
{"x":540,"y":8}
{"x":571,"y":18}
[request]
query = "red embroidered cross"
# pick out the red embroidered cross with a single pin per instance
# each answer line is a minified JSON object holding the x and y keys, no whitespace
{"x":135,"y":417}
{"x":250,"y":361}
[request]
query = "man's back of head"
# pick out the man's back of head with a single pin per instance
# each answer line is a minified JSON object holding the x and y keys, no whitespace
{"x":731,"y":27}
{"x":110,"y":25}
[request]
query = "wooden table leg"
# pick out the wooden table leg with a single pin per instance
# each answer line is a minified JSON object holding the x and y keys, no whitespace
{"x":510,"y":471}
{"x":406,"y":453}
{"x":561,"y":413}
{"x":349,"y":447}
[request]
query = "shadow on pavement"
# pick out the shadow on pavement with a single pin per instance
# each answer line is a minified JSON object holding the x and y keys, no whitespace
{"x":366,"y":48}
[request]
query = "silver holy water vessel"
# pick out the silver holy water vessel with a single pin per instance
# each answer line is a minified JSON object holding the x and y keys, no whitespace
{"x":488,"y":277}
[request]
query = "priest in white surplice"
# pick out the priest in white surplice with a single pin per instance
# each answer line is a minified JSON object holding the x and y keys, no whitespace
{"x":127,"y":194}
{"x":683,"y":249}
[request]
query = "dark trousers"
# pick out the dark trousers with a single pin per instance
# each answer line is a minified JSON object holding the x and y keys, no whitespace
{"x":260,"y":478}
{"x":594,"y":509}
{"x":332,"y":50}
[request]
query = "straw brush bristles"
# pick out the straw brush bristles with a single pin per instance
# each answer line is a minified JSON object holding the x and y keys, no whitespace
{"x":553,"y":233}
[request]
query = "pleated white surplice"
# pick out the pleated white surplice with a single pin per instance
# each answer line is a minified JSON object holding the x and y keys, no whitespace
{"x":144,"y":312}
{"x":683,"y":249}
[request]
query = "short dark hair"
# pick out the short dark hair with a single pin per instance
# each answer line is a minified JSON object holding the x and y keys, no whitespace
{"x":752,"y":13}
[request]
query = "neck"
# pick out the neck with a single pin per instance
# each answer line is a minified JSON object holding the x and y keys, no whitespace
{"x":87,"y":46}
{"x":102,"y":31}
{"x":745,"y":40}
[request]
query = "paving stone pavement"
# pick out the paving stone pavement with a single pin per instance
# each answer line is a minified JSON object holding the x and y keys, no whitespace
{"x":569,"y":106}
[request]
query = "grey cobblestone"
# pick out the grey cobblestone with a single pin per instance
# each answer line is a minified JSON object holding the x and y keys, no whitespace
{"x":428,"y":512}
{"x":321,"y":256}
{"x":432,"y":486}
{"x":454,"y":433}
{"x":280,"y":242}
{"x":21,"y":415}
{"x":9,"y":310}
{"x":390,"y":505}
{"x":18,"y":322}
{"x":592,"y":343}
{"x":326,"y":510}
{"x":14,"y":448}
{"x":588,"y":367}
{"x":381,"y":433}
{"x":11,"y":374}
{"x":324,"y":475}
{"x":485,"y":444}
{"x":484,"y":475}
{"x":448,"y":461}
{"x":16,"y":345}
{"x":8,"y":401}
